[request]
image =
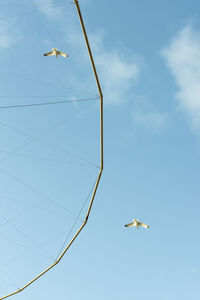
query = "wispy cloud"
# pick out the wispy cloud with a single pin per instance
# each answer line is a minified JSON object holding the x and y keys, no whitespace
{"x":119,"y":70}
{"x":6,"y":38}
{"x":48,"y":8}
{"x":183,"y":59}
{"x":193,"y":270}
{"x":145,"y":115}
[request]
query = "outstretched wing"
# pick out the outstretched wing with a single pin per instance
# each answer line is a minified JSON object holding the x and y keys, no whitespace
{"x":49,"y":53}
{"x":129,"y":224}
{"x":63,"y":54}
{"x":143,"y":225}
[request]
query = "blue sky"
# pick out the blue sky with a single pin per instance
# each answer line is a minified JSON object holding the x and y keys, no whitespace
{"x":147,"y":57}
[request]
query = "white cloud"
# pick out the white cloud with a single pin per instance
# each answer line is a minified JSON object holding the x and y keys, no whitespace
{"x":48,"y":8}
{"x":6,"y":39}
{"x":193,"y":270}
{"x":118,"y":75}
{"x":183,"y":59}
{"x":145,"y":116}
{"x":53,"y":9}
{"x":118,"y":70}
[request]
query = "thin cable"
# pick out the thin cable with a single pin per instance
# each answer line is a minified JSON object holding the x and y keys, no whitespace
{"x":39,"y":246}
{"x":27,"y":210}
{"x":9,"y":285}
{"x":28,"y":252}
{"x":17,"y":15}
{"x":34,"y":190}
{"x":22,"y":256}
{"x":75,"y":221}
{"x":27,"y":13}
{"x":9,"y":279}
{"x":46,"y":158}
{"x":12,"y":199}
{"x":26,"y":3}
{"x":40,"y":135}
{"x":42,"y":82}
{"x":35,"y":10}
{"x":34,"y":249}
{"x":46,"y":143}
{"x":30,"y":240}
{"x":14,"y":242}
{"x":47,"y":103}
{"x":25,"y":37}
{"x":37,"y":205}
{"x":30,"y":96}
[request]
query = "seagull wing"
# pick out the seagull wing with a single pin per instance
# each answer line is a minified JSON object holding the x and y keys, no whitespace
{"x":49,"y":53}
{"x":63,"y":54}
{"x":130,"y":224}
{"x":143,"y":225}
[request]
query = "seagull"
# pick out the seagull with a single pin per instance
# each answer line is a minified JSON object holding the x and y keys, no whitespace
{"x":56,"y":53}
{"x":137,"y":224}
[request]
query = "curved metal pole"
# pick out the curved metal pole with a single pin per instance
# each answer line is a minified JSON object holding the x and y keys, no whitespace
{"x":101,"y":166}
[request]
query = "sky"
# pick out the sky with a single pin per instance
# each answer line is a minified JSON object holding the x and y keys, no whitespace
{"x":147,"y":54}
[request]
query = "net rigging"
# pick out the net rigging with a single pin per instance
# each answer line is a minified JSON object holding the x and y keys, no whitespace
{"x":94,"y":188}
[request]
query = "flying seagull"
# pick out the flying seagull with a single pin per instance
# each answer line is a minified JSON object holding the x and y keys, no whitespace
{"x":137,"y":224}
{"x":56,"y":53}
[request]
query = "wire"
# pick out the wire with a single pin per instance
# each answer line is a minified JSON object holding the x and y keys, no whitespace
{"x":8,"y":221}
{"x":40,"y":246}
{"x":14,"y":242}
{"x":22,"y":256}
{"x":47,"y":103}
{"x":31,"y":208}
{"x":8,"y":286}
{"x":21,"y":14}
{"x":34,"y":190}
{"x":27,"y":13}
{"x":26,"y":3}
{"x":42,"y":82}
{"x":75,"y":221}
{"x":49,"y":144}
{"x":45,"y":158}
{"x":11,"y":199}
{"x":25,"y":37}
{"x":37,"y":205}
{"x":36,"y":96}
{"x":33,"y":138}
{"x":29,"y":239}
{"x":44,"y":243}
{"x":9,"y":279}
